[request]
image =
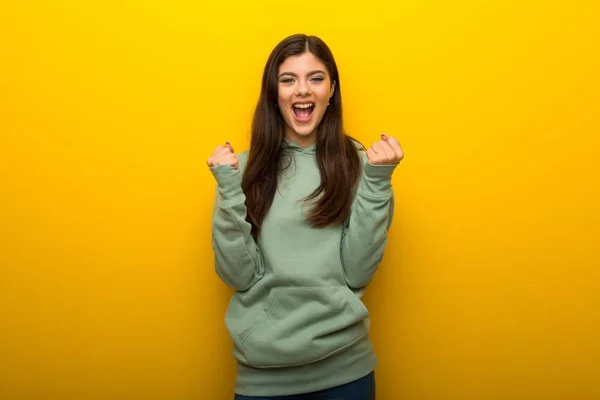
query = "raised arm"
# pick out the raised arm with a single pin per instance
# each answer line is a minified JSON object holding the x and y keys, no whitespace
{"x":238,"y":260}
{"x":365,"y":234}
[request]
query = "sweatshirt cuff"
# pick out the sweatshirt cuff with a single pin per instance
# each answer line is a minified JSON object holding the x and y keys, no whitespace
{"x":229,"y":184}
{"x":377,"y":180}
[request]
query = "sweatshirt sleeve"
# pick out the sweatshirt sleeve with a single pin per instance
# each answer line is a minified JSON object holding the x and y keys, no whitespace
{"x":364,"y":234}
{"x":238,"y":260}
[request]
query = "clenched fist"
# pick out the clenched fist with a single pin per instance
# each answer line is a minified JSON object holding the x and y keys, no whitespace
{"x":386,"y":151}
{"x":223,"y":155}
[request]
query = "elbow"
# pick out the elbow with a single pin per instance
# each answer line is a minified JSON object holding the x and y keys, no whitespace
{"x":237,"y":283}
{"x":358,"y":280}
{"x":357,"y":284}
{"x":238,"y":280}
{"x":359,"y":276}
{"x":242,"y":286}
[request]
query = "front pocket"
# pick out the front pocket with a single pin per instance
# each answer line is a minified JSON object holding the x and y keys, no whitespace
{"x":304,"y":325}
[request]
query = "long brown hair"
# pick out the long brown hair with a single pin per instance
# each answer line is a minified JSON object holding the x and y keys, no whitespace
{"x":336,"y":152}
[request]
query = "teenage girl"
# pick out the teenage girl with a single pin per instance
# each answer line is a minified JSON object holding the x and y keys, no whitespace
{"x":299,"y":229}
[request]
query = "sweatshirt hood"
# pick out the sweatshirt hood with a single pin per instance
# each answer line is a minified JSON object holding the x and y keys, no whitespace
{"x":288,"y":144}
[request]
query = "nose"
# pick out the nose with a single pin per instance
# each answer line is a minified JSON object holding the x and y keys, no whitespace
{"x":303,"y":88}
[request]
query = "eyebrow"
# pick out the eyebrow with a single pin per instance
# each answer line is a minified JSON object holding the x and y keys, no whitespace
{"x":317,"y":71}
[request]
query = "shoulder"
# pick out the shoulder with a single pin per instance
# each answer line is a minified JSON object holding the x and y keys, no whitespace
{"x":358,"y":145}
{"x":360,"y":149}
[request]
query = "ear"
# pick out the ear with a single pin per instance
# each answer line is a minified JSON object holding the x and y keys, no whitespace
{"x":332,"y":89}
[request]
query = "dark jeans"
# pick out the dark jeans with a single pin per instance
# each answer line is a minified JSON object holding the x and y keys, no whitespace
{"x":361,"y":389}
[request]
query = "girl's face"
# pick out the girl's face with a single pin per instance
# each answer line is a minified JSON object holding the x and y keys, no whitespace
{"x":304,"y":90}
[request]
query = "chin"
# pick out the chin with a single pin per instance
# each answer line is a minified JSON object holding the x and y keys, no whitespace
{"x":304,"y":131}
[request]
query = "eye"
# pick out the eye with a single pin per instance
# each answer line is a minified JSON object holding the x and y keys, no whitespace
{"x":287,"y":80}
{"x":318,"y":79}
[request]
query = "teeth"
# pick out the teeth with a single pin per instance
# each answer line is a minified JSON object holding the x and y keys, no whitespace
{"x":303,"y":105}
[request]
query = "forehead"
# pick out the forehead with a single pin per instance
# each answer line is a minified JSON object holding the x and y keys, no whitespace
{"x":305,"y":62}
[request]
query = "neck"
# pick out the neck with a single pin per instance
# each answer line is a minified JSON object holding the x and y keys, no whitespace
{"x":301,"y":140}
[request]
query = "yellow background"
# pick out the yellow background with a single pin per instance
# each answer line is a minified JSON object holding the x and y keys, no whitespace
{"x":490,"y":287}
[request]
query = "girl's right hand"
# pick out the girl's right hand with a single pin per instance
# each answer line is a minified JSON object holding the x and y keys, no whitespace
{"x":223,"y":155}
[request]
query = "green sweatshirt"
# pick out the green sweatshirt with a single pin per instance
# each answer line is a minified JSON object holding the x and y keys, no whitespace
{"x":296,"y":319}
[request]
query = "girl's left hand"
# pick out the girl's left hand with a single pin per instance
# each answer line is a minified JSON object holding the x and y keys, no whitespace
{"x":385,"y":152}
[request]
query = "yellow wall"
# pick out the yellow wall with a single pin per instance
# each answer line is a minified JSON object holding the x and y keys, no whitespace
{"x":108,"y":110}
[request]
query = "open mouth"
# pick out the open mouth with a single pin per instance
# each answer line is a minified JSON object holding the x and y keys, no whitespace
{"x":303,"y":111}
